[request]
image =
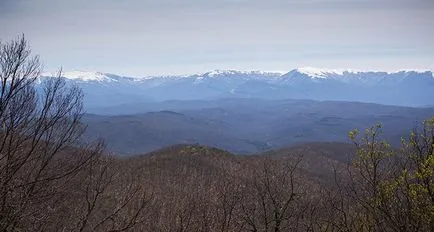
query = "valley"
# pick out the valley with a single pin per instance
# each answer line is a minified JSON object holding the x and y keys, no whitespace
{"x":247,"y":126}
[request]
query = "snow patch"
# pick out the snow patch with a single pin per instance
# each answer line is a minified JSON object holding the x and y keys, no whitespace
{"x":219,"y":72}
{"x":324,"y":73}
{"x":87,"y":76}
{"x":83,"y":76}
{"x":315,"y":73}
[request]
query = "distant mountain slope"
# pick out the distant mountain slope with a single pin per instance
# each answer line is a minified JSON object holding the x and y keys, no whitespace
{"x":404,"y":88}
{"x":249,"y":125}
{"x":133,"y":134}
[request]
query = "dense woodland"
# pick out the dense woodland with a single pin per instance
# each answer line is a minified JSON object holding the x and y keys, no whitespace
{"x":52,"y":180}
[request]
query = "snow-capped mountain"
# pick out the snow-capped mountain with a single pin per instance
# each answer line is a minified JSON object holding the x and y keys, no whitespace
{"x":407,"y":87}
{"x":87,"y":76}
{"x":344,"y":75}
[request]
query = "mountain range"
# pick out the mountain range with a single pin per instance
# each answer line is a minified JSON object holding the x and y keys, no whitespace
{"x":250,"y":112}
{"x":106,"y":92}
{"x":247,"y":126}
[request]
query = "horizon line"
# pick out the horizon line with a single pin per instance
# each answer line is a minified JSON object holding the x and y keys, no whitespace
{"x":305,"y":69}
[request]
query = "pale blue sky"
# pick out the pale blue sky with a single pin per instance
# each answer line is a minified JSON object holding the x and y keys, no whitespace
{"x":142,"y":37}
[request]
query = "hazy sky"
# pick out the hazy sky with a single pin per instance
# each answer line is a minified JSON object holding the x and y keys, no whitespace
{"x":143,"y":37}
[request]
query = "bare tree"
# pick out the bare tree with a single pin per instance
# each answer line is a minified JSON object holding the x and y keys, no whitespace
{"x":271,"y":197}
{"x":37,"y":126}
{"x":227,"y":204}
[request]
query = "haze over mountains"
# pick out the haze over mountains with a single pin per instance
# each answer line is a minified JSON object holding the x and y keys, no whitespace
{"x":105,"y":92}
{"x":251,"y":112}
{"x":247,"y":126}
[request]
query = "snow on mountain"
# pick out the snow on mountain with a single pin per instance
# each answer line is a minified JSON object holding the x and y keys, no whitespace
{"x":314,"y":73}
{"x":219,"y":73}
{"x":86,"y":76}
{"x":82,"y":76}
{"x":322,"y":73}
{"x":404,"y":87}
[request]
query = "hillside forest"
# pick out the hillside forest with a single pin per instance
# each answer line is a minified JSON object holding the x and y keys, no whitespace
{"x":53,"y":179}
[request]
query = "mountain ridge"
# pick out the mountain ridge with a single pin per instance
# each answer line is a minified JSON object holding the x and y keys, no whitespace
{"x":249,"y":126}
{"x":309,"y":71}
{"x":404,"y":88}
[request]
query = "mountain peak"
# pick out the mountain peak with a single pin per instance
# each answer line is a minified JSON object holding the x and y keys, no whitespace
{"x":323,"y":73}
{"x":83,"y":76}
{"x":311,"y":72}
{"x":86,"y":76}
{"x":220,"y":72}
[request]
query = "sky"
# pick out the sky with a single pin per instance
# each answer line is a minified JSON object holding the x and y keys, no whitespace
{"x":162,"y":37}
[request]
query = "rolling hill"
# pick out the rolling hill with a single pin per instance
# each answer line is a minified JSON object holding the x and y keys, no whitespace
{"x":246,"y":126}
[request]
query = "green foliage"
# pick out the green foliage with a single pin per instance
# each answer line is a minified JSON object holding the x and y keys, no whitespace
{"x":395,"y":187}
